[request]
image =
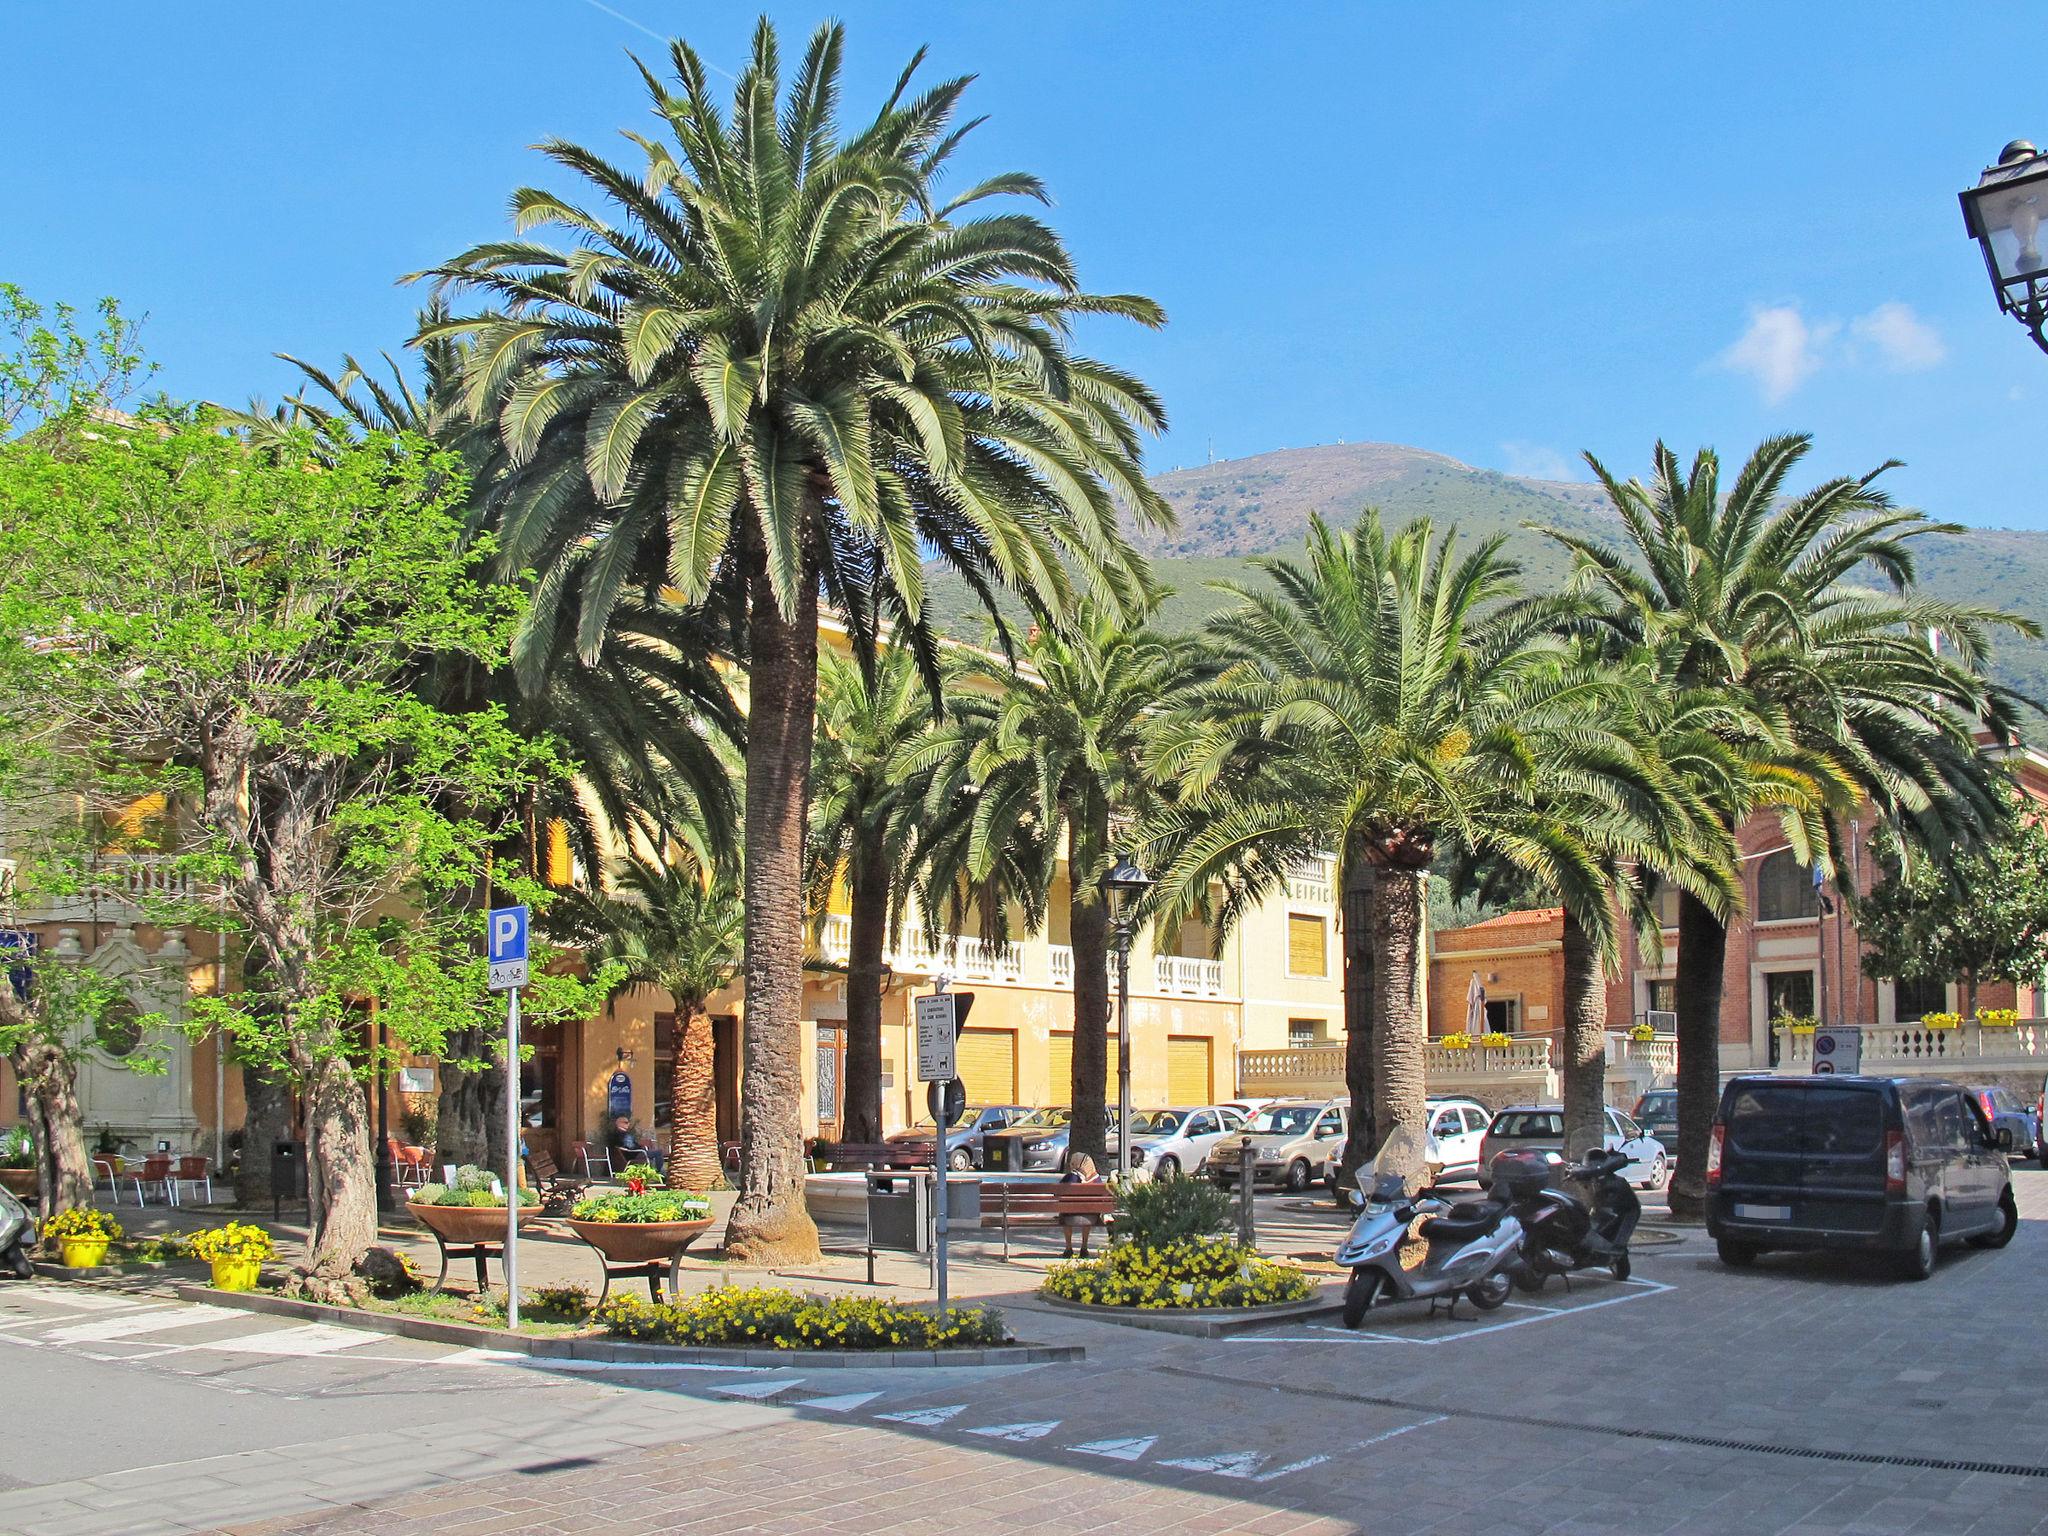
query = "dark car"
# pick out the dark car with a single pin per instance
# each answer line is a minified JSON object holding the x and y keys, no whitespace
{"x":1657,"y":1114}
{"x":1892,"y":1165}
{"x":963,"y":1141}
{"x":1035,"y":1144}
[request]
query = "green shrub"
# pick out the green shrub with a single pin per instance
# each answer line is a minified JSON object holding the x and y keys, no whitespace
{"x":655,"y":1205}
{"x":556,"y":1304}
{"x":472,"y":1180}
{"x":1158,"y":1213}
{"x":17,"y":1147}
{"x":473,"y":1186}
{"x":769,"y":1317}
{"x":1184,"y":1274}
{"x":167,"y":1249}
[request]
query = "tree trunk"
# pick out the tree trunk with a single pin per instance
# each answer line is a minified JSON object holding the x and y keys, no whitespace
{"x":693,"y":1105}
{"x":266,"y":1120}
{"x":769,"y":1224}
{"x":1400,"y":911}
{"x":1360,"y":1035}
{"x":492,"y":1085}
{"x":1585,"y":1042}
{"x":1088,"y":924}
{"x":344,"y":1224}
{"x":49,"y":1077}
{"x":1702,"y":956}
{"x":861,"y":1118}
{"x":459,"y":1124}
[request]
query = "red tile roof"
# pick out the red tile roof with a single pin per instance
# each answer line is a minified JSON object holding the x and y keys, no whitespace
{"x":1534,"y":918}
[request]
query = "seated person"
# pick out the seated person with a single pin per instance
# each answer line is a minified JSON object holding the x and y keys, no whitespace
{"x":625,"y":1138}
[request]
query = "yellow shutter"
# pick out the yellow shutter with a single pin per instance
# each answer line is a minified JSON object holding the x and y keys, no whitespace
{"x":134,"y":825}
{"x":1307,"y":947}
{"x":561,"y":865}
{"x":1189,"y":1076}
{"x":1059,"y":1068}
{"x":987,"y":1059}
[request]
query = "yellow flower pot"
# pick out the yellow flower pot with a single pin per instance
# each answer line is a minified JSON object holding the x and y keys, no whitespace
{"x":82,"y":1252}
{"x":236,"y":1274}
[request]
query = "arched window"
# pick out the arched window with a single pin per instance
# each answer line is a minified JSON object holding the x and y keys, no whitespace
{"x":1784,"y":889}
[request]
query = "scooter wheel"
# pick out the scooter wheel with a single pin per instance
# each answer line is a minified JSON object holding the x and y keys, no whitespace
{"x":1490,"y":1294}
{"x":1620,"y":1266}
{"x":1360,"y":1292}
{"x":19,"y":1262}
{"x":1529,"y":1280}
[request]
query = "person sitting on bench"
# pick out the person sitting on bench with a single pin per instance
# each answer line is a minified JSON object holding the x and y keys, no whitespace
{"x":625,"y":1139}
{"x":1080,"y":1170}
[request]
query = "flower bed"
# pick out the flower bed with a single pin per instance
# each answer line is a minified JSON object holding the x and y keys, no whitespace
{"x":768,"y":1317}
{"x":1998,"y":1018}
{"x":1192,"y":1273}
{"x":660,"y":1205}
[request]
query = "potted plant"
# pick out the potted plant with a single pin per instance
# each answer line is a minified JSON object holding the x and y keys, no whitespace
{"x":1799,"y":1024}
{"x":641,"y":1226}
{"x":470,"y":1210}
{"x":1998,"y":1018}
{"x":236,"y":1252}
{"x":1496,"y":1040}
{"x":1643,"y":1033}
{"x":1459,"y":1041}
{"x":18,"y":1161}
{"x":81,"y":1235}
{"x":1941,"y":1020}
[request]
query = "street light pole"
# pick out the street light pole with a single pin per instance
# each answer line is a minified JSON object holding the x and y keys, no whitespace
{"x":1126,"y":885}
{"x":2003,"y":213}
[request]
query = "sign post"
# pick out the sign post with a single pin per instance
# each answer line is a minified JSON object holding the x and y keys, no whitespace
{"x":505,"y":950}
{"x":936,"y":1063}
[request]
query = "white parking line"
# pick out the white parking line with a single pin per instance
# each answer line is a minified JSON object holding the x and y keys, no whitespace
{"x":1324,"y":1332}
{"x":1388,"y":1434}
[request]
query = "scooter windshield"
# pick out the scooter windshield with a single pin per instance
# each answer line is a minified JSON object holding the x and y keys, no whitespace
{"x":1398,"y":1170}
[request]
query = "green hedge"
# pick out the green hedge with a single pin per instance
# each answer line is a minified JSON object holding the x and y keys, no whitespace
{"x":1184,"y":1274}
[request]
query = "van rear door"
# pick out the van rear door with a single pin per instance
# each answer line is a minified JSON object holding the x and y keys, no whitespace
{"x":1805,"y":1155}
{"x":1760,"y":1151}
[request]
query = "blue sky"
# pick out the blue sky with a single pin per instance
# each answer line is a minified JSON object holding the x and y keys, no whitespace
{"x":1503,"y":233}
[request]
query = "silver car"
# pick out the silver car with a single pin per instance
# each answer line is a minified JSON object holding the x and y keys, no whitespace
{"x":1289,"y":1139}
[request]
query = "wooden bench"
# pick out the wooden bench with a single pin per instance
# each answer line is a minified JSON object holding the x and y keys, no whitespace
{"x":558,"y":1190}
{"x":1043,"y":1205}
{"x":862,"y":1157}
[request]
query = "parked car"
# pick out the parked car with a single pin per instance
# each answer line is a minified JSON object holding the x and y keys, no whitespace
{"x":1291,"y":1138}
{"x":1540,"y":1128}
{"x":963,"y":1141}
{"x":1165,"y":1142}
{"x":1897,"y":1165}
{"x":2006,"y":1110}
{"x":1037,"y":1143}
{"x":1456,"y":1128}
{"x":1657,"y":1113}
{"x":2041,"y":1125}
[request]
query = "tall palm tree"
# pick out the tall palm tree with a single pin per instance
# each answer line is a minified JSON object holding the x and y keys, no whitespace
{"x":865,"y":825}
{"x":1057,"y":743}
{"x":782,"y":359}
{"x":674,"y":927}
{"x":1381,"y":697}
{"x":1767,"y":601}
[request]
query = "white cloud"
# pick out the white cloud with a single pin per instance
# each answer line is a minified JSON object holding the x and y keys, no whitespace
{"x":1905,"y":343}
{"x":1533,"y":461}
{"x":1781,"y":348}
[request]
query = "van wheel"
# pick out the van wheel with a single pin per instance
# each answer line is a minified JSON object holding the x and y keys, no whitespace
{"x":1360,"y":1292}
{"x":1917,"y":1263}
{"x":1298,"y":1174}
{"x":2008,"y":1223}
{"x":1736,"y":1255}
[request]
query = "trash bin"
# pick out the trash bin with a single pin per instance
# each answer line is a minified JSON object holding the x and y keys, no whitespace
{"x":287,"y":1173}
{"x":896,"y":1213}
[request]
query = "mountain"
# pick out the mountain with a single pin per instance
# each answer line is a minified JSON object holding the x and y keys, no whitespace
{"x":1239,"y":508}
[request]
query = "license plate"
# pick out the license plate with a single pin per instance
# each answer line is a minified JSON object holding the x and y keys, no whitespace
{"x":1763,"y":1212}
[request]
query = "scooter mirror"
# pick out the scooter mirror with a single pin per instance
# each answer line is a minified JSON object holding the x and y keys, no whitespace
{"x":1358,"y":1198}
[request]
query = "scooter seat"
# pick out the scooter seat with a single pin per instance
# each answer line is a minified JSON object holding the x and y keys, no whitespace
{"x":1463,"y":1224}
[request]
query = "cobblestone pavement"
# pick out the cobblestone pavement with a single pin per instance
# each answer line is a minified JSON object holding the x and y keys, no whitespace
{"x":1804,"y":1395}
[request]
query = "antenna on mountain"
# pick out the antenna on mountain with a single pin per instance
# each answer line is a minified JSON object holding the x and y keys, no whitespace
{"x":1212,"y":450}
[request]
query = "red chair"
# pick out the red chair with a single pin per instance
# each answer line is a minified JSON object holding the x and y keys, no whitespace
{"x":194,"y":1171}
{"x":155,"y":1171}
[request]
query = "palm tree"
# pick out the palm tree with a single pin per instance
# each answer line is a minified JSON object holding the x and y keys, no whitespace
{"x":1834,"y":685}
{"x":1380,"y":698}
{"x":784,"y":362}
{"x":1056,"y":743}
{"x":865,"y":825}
{"x":670,"y":926}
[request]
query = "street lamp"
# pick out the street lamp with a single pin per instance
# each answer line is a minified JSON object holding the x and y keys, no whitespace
{"x":1126,"y":885}
{"x":2003,"y":213}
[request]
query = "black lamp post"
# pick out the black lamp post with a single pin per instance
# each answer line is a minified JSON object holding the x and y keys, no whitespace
{"x":1126,"y":884}
{"x":2004,"y":213}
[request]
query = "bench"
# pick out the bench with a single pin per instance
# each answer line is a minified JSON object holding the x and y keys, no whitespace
{"x":1043,"y":1205}
{"x":558,"y":1190}
{"x":863,"y":1156}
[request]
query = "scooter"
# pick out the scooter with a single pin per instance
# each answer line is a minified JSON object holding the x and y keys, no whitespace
{"x":1405,"y":1246}
{"x":1561,"y":1232}
{"x":17,"y":1236}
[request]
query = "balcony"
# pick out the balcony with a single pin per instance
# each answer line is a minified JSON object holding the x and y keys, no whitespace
{"x":962,"y":958}
{"x":119,"y":887}
{"x":1498,"y":1074}
{"x":1059,"y":964}
{"x":1312,"y":881}
{"x":1914,"y":1050}
{"x":1182,"y":976}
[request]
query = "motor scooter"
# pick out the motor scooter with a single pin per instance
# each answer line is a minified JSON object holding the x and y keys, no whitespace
{"x":1562,"y":1232}
{"x":17,"y":1236}
{"x":1406,"y":1246}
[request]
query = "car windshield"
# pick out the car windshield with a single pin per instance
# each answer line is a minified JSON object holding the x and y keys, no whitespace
{"x":1159,"y":1122}
{"x":1284,"y":1120}
{"x":1656,"y":1104}
{"x":1042,"y":1117}
{"x":1529,"y":1122}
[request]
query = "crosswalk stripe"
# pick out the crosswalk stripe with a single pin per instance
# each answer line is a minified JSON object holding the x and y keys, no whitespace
{"x":1037,"y":1431}
{"x":305,"y":1339}
{"x":845,"y":1402}
{"x":925,"y":1417}
{"x":131,"y":1324}
{"x":1131,"y":1449}
{"x":759,"y":1389}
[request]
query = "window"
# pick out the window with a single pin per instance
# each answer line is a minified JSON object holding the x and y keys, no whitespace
{"x":1664,"y":898}
{"x":1504,"y":1014}
{"x":1307,"y":945}
{"x":1784,"y":890}
{"x":1302,"y":1032}
{"x":1477,"y":1119}
{"x":1664,"y":996}
{"x":1622,"y":1126}
{"x":1788,"y":994}
{"x":1917,"y":998}
{"x":1203,"y":1124}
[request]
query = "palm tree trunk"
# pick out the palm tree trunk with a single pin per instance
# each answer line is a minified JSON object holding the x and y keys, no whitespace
{"x":769,"y":1225}
{"x":1359,"y":1034}
{"x":1400,"y":915}
{"x":1702,"y":957}
{"x":1088,"y":925}
{"x":693,"y":1105}
{"x":861,"y":1117}
{"x":1585,"y":1041}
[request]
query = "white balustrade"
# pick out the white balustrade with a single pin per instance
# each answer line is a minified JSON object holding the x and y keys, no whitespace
{"x":1914,"y":1050}
{"x":1185,"y":976}
{"x":835,"y":939}
{"x":1522,"y":1069}
{"x":1312,"y":880}
{"x":1059,"y":963}
{"x":146,"y":877}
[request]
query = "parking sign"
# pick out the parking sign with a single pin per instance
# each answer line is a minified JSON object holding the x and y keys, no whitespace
{"x":505,"y":947}
{"x":1837,"y":1051}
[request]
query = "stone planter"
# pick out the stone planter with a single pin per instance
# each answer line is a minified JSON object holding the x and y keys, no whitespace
{"x":20,"y":1182}
{"x":640,"y":1249}
{"x":463,"y":1223}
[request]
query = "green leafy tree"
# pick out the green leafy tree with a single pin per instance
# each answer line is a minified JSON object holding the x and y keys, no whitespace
{"x":54,"y":373}
{"x":776,"y":362}
{"x":1834,"y":692}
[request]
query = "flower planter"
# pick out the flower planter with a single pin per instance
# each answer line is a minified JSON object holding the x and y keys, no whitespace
{"x":20,"y":1182}
{"x":82,"y":1252}
{"x":463,"y":1223}
{"x":236,"y":1274}
{"x":640,"y":1249}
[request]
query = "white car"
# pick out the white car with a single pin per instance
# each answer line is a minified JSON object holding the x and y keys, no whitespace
{"x":1456,"y":1126}
{"x":1540,"y":1128}
{"x":1165,"y":1142}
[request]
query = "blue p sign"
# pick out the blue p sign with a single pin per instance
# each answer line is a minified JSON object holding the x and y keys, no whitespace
{"x":505,"y":947}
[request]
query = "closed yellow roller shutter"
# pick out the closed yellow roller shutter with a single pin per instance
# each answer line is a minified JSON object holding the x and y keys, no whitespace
{"x":1188,"y":1074}
{"x":987,"y":1059}
{"x":1307,"y":952}
{"x":1059,"y":1068}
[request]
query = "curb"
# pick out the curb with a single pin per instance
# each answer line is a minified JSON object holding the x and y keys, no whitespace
{"x":497,"y":1341}
{"x":1196,"y":1323}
